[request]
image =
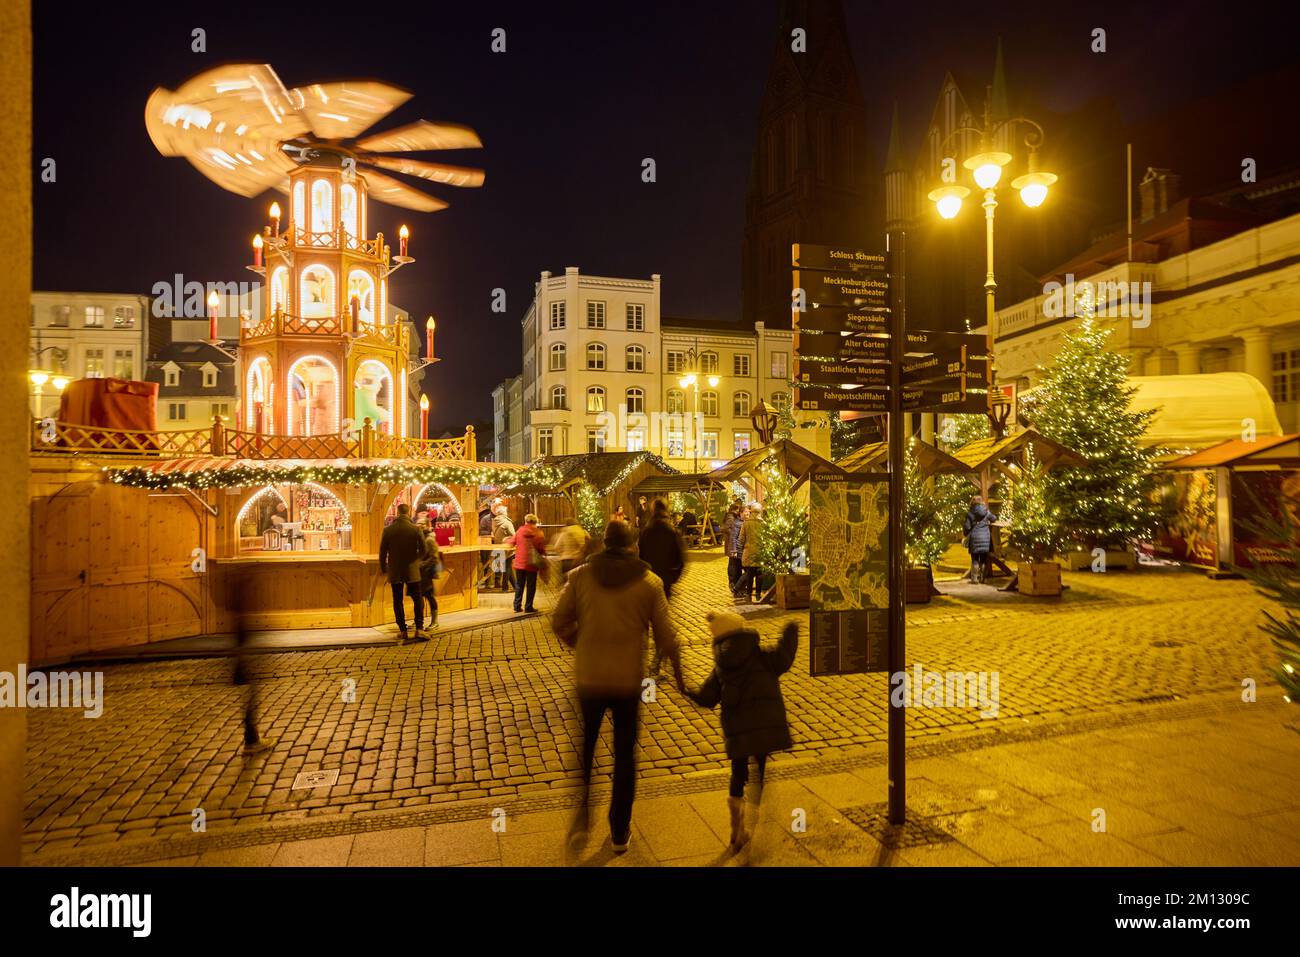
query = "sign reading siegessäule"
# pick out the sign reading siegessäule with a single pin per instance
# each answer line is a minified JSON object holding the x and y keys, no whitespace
{"x":848,"y":562}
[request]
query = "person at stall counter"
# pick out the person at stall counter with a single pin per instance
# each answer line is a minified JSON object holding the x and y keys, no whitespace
{"x":401,"y":550}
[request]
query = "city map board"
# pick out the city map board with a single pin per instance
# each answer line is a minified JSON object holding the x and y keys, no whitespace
{"x":848,"y":562}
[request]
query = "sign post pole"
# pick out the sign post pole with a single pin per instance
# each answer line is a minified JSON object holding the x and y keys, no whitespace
{"x":896,"y":245}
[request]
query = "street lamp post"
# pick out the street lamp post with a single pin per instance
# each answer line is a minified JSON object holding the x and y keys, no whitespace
{"x":986,"y":169}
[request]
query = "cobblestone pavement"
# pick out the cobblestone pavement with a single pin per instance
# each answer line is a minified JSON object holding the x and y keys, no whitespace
{"x":487,"y":713}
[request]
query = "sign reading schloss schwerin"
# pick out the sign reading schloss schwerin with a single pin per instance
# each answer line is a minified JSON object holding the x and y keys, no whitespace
{"x":848,"y":563}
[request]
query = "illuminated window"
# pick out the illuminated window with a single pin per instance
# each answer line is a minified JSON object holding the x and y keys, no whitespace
{"x":300,"y":204}
{"x":124,"y":317}
{"x":635,"y":400}
{"x":60,"y":315}
{"x":322,"y":207}
{"x":372,"y":396}
{"x":94,"y":363}
{"x":742,"y":443}
{"x":596,"y":356}
{"x":781,"y":399}
{"x":361,"y":287}
{"x":595,"y":399}
{"x":709,"y":445}
{"x":676,"y":402}
{"x":219,"y":409}
{"x":635,"y":440}
{"x":124,"y":363}
{"x":348,"y":212}
{"x":635,"y":359}
{"x":779,"y":365}
{"x":280,"y":289}
{"x":94,"y":317}
{"x":557,"y":357}
{"x":675,"y":445}
{"x":313,"y":398}
{"x":708,"y":403}
{"x":316,"y":298}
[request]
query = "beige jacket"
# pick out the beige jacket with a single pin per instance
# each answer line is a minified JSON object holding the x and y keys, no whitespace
{"x":603,"y":613}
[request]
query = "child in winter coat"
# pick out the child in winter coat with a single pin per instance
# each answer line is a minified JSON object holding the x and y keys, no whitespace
{"x":746,"y":680}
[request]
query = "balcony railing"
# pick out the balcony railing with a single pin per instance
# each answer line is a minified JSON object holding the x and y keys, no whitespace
{"x":64,"y":438}
{"x":286,"y":324}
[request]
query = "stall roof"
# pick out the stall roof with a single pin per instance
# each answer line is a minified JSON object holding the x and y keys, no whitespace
{"x":795,"y":459}
{"x":601,"y":470}
{"x":661,"y":484}
{"x":875,"y":455}
{"x":1264,"y":450}
{"x":221,"y":471}
{"x":978,"y":455}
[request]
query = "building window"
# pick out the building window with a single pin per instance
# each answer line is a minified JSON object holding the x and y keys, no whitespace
{"x":595,"y":315}
{"x":676,"y":447}
{"x":635,"y":317}
{"x":557,"y":315}
{"x":124,"y":317}
{"x":676,"y":402}
{"x":781,"y":400}
{"x":740,"y":404}
{"x":220,"y":409}
{"x":175,"y":411}
{"x":545,"y":441}
{"x":709,"y":445}
{"x":709,"y":363}
{"x":635,"y":440}
{"x":209,"y":378}
{"x":742,"y":443}
{"x":557,"y":357}
{"x":595,"y":399}
{"x":94,"y":363}
{"x":1286,"y":376}
{"x":676,"y":362}
{"x":635,"y":359}
{"x":124,"y":363}
{"x":596,"y":356}
{"x":559,"y":397}
{"x":708,"y":403}
{"x":740,"y":364}
{"x":595,"y":440}
{"x":60,"y":316}
{"x":780,"y":365}
{"x":635,"y":400}
{"x":171,"y":377}
{"x":94,"y":317}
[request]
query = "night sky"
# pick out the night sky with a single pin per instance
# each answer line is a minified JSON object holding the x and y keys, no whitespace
{"x":583,"y":93}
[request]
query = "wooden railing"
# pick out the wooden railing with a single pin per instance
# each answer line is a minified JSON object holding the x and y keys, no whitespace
{"x":49,"y":436}
{"x":286,"y":324}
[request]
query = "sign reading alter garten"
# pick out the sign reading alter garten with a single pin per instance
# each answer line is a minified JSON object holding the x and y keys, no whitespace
{"x":812,"y":256}
{"x":841,"y":347}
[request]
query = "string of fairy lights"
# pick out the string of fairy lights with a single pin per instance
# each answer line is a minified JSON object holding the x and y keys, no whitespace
{"x":331,"y":474}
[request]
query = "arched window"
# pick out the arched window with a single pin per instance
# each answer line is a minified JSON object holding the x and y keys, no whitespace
{"x":740,"y":403}
{"x":708,"y":403}
{"x":316,"y":298}
{"x":313,"y":397}
{"x":559,"y":397}
{"x":709,"y":363}
{"x":781,"y":399}
{"x":280,"y":290}
{"x":635,"y":359}
{"x":361,"y":287}
{"x":557,"y":357}
{"x":300,"y":204}
{"x":372,"y":396}
{"x":595,"y":399}
{"x":322,"y":207}
{"x":348,"y":213}
{"x":676,"y":402}
{"x":635,"y":400}
{"x":257,"y":397}
{"x":596,"y":356}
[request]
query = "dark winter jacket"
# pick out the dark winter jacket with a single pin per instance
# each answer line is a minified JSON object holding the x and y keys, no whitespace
{"x":661,"y":547}
{"x":746,"y":679}
{"x":978,"y":526}
{"x":429,"y":564}
{"x":401,"y":547}
{"x":731,"y":535}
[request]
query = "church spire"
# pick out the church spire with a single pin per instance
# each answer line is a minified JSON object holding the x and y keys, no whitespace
{"x":1000,"y":107}
{"x":894,"y":156}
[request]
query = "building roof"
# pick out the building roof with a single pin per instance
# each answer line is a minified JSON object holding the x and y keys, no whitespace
{"x":602,"y":470}
{"x":978,"y":455}
{"x":797,"y":461}
{"x":720,"y":326}
{"x":875,"y":456}
{"x":1270,"y":449}
{"x":191,"y":357}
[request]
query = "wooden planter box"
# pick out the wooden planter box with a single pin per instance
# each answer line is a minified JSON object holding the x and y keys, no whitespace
{"x":1081,"y":561}
{"x":792,"y":591}
{"x":1039,"y":579}
{"x":918,"y":585}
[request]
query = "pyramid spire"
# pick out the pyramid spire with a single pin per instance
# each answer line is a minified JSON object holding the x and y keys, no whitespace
{"x":1000,"y":108}
{"x":894,"y":155}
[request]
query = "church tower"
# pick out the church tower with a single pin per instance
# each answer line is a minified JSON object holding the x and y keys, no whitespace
{"x":813,"y":177}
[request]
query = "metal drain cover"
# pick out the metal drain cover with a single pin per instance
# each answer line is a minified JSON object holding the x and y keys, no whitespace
{"x":306,"y":780}
{"x":917,"y":832}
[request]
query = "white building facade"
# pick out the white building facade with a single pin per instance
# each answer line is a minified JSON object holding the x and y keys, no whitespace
{"x":85,"y":335}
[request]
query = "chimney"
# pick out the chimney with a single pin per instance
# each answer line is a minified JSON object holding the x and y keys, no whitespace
{"x":1159,"y":189}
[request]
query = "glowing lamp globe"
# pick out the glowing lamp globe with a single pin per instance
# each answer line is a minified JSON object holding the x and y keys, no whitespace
{"x":947,"y":199}
{"x":987,"y":167}
{"x":713,"y":382}
{"x":1033,"y":185}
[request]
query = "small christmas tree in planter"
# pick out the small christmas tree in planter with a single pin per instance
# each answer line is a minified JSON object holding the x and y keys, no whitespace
{"x":932,"y":512}
{"x":783,"y":540}
{"x":1034,"y":527}
{"x":590,"y":516}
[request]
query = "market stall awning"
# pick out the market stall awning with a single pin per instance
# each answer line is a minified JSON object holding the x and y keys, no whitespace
{"x":1267,"y":450}
{"x":224,"y":472}
{"x":983,"y":453}
{"x":1194,"y":411}
{"x":796,"y":460}
{"x":667,"y":484}
{"x":874,"y":456}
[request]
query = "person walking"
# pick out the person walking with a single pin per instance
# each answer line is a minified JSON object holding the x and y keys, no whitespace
{"x":748,"y":585}
{"x":662,"y":548}
{"x":502,"y":531}
{"x":530,"y":555}
{"x":746,"y":680}
{"x":977,"y":527}
{"x":570,"y":547}
{"x":731,"y":544}
{"x":603,"y":614}
{"x":430,"y":571}
{"x":401,"y":549}
{"x":643,"y":515}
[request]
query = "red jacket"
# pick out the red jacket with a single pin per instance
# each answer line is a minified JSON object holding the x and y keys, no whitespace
{"x":527,"y":534}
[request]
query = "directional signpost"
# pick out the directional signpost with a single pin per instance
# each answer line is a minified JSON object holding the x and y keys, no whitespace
{"x":853,"y":354}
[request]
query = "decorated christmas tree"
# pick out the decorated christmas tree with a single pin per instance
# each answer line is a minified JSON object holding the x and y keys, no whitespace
{"x":959,"y":430}
{"x":932,"y":512}
{"x":783,"y":534}
{"x":590,"y":516}
{"x":1083,"y":403}
{"x":1280,"y":581}
{"x":1034,"y":524}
